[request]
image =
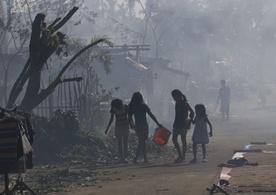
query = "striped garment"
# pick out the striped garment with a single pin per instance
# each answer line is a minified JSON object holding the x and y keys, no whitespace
{"x":121,"y":120}
{"x":8,"y":141}
{"x":121,"y":117}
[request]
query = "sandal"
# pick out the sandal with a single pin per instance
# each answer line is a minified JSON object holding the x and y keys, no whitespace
{"x":194,"y":160}
{"x":178,"y":160}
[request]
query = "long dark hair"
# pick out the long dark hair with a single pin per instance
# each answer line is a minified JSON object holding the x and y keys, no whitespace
{"x":200,"y":109}
{"x":178,"y":93}
{"x":116,"y":103}
{"x":137,"y":99}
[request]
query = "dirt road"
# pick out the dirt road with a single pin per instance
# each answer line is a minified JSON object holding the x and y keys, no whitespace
{"x":248,"y":124}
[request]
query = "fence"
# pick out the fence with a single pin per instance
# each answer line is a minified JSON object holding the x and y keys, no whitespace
{"x":70,"y":96}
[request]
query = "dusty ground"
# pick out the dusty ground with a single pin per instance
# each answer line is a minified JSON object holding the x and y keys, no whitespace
{"x":247,"y":124}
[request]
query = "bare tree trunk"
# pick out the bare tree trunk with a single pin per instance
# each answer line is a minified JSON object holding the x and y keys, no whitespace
{"x":41,"y":48}
{"x":40,"y":51}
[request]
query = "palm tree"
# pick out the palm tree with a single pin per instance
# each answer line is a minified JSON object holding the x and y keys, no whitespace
{"x":44,"y":42}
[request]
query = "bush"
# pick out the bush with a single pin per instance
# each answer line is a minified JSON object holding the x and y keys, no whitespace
{"x":55,"y":136}
{"x":62,"y":138}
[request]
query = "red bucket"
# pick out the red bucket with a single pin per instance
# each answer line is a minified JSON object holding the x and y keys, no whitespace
{"x":161,"y":136}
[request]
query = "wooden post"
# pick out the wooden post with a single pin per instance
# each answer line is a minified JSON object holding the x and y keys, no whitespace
{"x":80,"y":100}
{"x":70,"y":96}
{"x":61,"y":95}
{"x":65,"y":97}
{"x":76,"y":99}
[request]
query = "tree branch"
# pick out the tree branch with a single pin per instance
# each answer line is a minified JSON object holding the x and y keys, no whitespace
{"x":45,"y":92}
{"x":19,"y":83}
{"x":78,"y":79}
{"x":35,"y":37}
{"x":54,"y":23}
{"x":51,"y":88}
{"x":78,"y":54}
{"x":65,"y":19}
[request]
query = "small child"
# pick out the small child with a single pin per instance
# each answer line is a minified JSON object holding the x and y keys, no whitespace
{"x":120,"y":111}
{"x":200,"y":135}
{"x":139,"y":109}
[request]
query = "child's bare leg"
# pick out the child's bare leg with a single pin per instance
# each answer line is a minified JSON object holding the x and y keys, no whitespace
{"x":227,"y":116}
{"x":184,"y":145}
{"x":144,"y":150}
{"x":125,"y":142}
{"x":194,"y":149}
{"x":138,"y":151}
{"x":222,"y":116}
{"x":194,"y":160}
{"x":176,"y":145}
{"x":204,"y":150}
{"x":120,"y":148}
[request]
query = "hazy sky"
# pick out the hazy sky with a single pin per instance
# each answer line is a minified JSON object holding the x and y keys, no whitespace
{"x":137,"y":7}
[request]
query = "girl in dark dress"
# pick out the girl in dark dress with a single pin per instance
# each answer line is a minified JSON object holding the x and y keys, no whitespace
{"x":139,"y":109}
{"x":181,"y":123}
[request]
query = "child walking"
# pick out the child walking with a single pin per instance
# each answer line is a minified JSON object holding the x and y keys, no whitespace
{"x":200,"y":135}
{"x":120,"y":111}
{"x":181,"y":123}
{"x":139,"y":109}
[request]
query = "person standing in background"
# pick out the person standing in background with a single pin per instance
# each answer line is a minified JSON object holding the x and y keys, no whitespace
{"x":224,"y":98}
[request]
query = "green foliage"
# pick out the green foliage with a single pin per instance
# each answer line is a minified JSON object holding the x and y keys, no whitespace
{"x":50,"y":39}
{"x":96,"y":53}
{"x":96,"y":112}
{"x":57,"y":135}
{"x":65,"y":127}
